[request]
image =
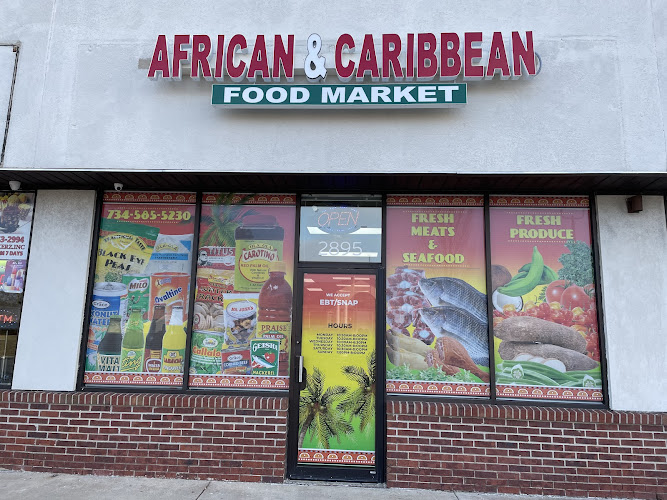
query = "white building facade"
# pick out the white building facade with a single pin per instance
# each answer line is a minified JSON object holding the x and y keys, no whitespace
{"x":590,"y":124}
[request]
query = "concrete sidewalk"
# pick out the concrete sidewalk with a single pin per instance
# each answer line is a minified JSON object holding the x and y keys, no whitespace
{"x":16,"y":485}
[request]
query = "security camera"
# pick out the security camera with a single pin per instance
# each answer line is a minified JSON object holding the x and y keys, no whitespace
{"x":118,"y":186}
{"x":14,"y":185}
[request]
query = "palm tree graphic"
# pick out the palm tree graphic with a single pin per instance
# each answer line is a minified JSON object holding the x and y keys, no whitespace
{"x":319,"y":412}
{"x":360,"y":402}
{"x":225,"y":217}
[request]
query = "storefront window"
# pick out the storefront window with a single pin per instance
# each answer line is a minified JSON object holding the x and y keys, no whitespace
{"x":340,"y":228}
{"x":139,"y":306}
{"x":242,"y":320}
{"x":545,"y":319}
{"x":544,"y":331}
{"x":16,"y":211}
{"x":437,"y":337}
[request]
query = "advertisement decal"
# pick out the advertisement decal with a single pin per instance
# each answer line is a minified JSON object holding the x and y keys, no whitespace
{"x":243,"y":304}
{"x":337,"y":405}
{"x":142,"y":278}
{"x":436,"y":333}
{"x":544,"y":320}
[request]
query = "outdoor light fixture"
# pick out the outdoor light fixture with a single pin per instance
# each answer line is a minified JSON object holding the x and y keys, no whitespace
{"x":635,"y":204}
{"x":14,"y":185}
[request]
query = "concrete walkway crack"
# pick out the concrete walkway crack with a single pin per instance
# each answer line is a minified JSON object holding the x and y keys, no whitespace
{"x":205,"y":488}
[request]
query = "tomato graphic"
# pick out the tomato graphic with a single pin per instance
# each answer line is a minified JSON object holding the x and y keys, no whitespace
{"x":555,"y":290}
{"x":270,"y":357}
{"x":575,"y":296}
{"x":590,"y":291}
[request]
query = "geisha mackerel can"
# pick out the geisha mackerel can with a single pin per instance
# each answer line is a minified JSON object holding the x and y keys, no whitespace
{"x":109,"y":299}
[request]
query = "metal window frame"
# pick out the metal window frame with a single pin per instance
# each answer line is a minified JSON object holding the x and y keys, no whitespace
{"x":381,"y":266}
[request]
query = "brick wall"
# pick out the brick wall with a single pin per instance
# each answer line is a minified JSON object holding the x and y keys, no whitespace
{"x":503,"y":449}
{"x":459,"y":447}
{"x":219,"y":437}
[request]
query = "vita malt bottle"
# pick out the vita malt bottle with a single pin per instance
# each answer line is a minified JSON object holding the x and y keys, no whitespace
{"x":108,"y":352}
{"x":132,"y":351}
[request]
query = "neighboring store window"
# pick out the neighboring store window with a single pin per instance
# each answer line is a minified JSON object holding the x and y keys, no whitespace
{"x":545,"y":319}
{"x":140,"y":298}
{"x":243,"y":308}
{"x":437,"y":327}
{"x":16,"y":211}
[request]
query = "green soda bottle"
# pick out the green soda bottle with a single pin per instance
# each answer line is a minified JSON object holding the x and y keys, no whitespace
{"x":132,"y":348}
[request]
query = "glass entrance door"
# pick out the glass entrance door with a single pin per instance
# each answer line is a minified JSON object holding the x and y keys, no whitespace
{"x":334,"y":404}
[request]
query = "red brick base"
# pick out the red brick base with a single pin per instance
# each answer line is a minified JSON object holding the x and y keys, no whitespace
{"x":504,"y":449}
{"x":442,"y":446}
{"x":196,"y":437}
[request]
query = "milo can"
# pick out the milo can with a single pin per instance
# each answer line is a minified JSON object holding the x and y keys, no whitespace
{"x":109,"y":299}
{"x":264,"y":355}
{"x":138,"y":294}
{"x":206,"y":356}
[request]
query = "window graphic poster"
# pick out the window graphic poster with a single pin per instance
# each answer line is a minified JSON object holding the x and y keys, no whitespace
{"x":436,"y":311}
{"x":143,"y":260}
{"x":242,"y":320}
{"x":16,"y":210}
{"x":337,"y":405}
{"x":544,"y":320}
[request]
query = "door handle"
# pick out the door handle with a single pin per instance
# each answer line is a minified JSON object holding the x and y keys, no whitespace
{"x":300,"y":374}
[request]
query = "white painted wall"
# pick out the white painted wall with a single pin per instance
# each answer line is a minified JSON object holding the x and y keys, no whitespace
{"x":7,"y":59}
{"x":83,"y":101}
{"x":47,"y":356}
{"x":634,"y":284}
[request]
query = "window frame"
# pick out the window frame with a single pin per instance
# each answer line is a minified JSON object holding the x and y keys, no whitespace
{"x":492,"y":400}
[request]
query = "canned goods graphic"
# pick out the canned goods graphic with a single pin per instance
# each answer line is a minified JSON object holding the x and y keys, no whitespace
{"x":109,"y":299}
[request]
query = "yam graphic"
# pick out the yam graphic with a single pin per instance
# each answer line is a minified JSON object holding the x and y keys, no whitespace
{"x":572,"y":360}
{"x":529,"y":329}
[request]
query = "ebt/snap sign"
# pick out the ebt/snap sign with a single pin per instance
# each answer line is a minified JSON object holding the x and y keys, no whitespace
{"x":383,"y":66}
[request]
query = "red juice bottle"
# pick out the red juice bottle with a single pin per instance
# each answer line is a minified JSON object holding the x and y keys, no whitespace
{"x":274,"y":318}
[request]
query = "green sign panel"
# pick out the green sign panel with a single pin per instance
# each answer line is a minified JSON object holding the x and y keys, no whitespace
{"x":422,"y":95}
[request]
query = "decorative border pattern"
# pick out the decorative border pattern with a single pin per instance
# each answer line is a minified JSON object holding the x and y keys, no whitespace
{"x":539,"y":201}
{"x":257,"y":199}
{"x":437,"y":388}
{"x":239,"y":382}
{"x":119,"y":378}
{"x":561,"y":393}
{"x":148,"y":197}
{"x":337,"y":457}
{"x":435,"y":201}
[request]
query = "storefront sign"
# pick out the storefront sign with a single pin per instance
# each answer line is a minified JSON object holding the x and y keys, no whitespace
{"x":420,"y":95}
{"x":420,"y":57}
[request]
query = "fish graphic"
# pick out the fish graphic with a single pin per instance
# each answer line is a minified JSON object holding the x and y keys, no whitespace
{"x":461,"y":325}
{"x":455,"y":292}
